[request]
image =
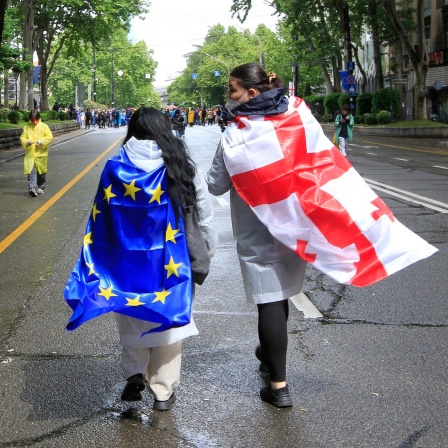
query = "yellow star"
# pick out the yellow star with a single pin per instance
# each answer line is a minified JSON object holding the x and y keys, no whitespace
{"x":172,"y":268}
{"x":161,"y":296}
{"x":107,"y":293}
{"x":91,"y":269}
{"x":95,"y":211}
{"x":170,"y":232}
{"x":134,"y":302}
{"x":156,"y":193}
{"x":108,"y":193}
{"x":131,"y":189}
{"x":88,"y":239}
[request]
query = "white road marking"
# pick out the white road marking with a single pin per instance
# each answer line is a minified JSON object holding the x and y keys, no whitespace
{"x":441,"y":207}
{"x":363,"y":146}
{"x":442,"y":167}
{"x":222,"y":202}
{"x":371,"y":153}
{"x":404,"y":160}
{"x":302,"y":303}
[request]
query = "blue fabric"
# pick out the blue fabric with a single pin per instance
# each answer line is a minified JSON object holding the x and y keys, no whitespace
{"x":130,"y":251}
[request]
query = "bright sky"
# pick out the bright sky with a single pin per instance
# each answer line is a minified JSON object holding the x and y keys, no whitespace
{"x":173,"y":27}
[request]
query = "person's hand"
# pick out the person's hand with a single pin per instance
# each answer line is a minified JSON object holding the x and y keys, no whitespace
{"x":30,"y":143}
{"x":38,"y":143}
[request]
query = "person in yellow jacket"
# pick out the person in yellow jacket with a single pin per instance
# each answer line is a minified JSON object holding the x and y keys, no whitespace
{"x":191,"y":117}
{"x":36,"y":138}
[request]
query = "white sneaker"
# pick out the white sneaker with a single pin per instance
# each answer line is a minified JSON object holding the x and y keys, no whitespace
{"x":40,"y":191}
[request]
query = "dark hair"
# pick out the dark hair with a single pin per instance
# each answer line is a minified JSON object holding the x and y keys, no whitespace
{"x":34,"y":115}
{"x":346,"y":107}
{"x":148,"y":123}
{"x":253,"y":76}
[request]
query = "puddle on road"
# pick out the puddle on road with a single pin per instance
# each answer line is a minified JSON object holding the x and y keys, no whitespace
{"x":141,"y":413}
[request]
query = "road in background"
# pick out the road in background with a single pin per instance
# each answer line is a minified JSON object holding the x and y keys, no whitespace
{"x":371,"y":372}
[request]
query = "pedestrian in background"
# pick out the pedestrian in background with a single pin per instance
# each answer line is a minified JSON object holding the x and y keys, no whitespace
{"x":82,"y":117}
{"x":271,"y":272}
{"x":88,"y":118}
{"x":210,"y":117}
{"x":36,"y":138}
{"x":191,"y":117}
{"x":178,"y":123}
{"x":344,"y":122}
{"x":203,"y":116}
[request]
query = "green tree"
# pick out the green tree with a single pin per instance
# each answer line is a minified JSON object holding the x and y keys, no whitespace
{"x":322,"y":30}
{"x":10,"y":52}
{"x":132,"y":62}
{"x":221,"y":51}
{"x":70,"y":23}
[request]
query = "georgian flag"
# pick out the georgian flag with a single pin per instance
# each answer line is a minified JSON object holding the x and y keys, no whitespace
{"x":312,"y":199}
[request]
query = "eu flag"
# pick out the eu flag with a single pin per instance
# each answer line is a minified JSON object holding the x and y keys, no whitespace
{"x":134,"y":259}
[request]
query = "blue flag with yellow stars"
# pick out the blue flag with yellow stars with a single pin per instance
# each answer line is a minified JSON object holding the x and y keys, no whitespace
{"x":134,"y":259}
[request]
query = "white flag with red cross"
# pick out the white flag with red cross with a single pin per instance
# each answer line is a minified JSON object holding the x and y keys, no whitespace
{"x":312,"y":199}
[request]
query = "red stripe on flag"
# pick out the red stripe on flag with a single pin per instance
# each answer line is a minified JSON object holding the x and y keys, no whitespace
{"x":301,"y":251}
{"x":383,"y":209}
{"x":304,"y":173}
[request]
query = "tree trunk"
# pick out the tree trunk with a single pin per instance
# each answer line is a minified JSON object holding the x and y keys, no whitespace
{"x":418,"y":56}
{"x":373,"y":13}
{"x":336,"y":75}
{"x":3,"y":6}
{"x":30,"y":100}
{"x":327,"y":77}
{"x":361,"y":70}
{"x":420,"y":92}
{"x":6,"y":89}
{"x":43,"y":73}
{"x":28,"y":25}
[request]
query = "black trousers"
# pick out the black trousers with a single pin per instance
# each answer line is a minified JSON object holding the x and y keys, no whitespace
{"x":273,"y":334}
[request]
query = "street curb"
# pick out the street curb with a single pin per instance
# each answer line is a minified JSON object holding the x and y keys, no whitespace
{"x":10,"y":138}
{"x":8,"y":155}
{"x":423,"y":132}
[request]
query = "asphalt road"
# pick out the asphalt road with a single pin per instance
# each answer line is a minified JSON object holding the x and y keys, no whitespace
{"x":371,"y":372}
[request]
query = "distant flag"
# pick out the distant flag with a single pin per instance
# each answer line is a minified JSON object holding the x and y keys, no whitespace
{"x":134,"y":259}
{"x":36,"y":73}
{"x":313,"y":201}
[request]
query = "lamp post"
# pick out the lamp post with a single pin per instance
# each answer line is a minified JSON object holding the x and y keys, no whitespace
{"x":295,"y":67}
{"x":260,"y":50}
{"x":120,"y":73}
{"x":259,"y":45}
{"x":112,"y":51}
{"x":94,"y":74}
{"x":219,"y":60}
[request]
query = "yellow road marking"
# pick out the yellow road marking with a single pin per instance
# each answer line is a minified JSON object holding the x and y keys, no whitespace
{"x":38,"y":213}
{"x":439,"y":151}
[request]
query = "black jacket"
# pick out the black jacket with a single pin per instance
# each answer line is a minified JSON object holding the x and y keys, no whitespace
{"x":271,"y":102}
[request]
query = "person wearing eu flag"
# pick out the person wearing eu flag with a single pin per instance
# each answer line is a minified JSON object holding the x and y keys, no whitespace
{"x":136,"y":259}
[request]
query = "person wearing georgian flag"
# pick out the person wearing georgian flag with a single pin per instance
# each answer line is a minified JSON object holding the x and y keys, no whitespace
{"x":296,"y":199}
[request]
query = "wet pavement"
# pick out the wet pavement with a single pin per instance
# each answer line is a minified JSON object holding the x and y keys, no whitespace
{"x":370,"y":373}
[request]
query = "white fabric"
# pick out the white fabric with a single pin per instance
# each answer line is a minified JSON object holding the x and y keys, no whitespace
{"x":271,"y":272}
{"x":144,"y":154}
{"x":160,"y":366}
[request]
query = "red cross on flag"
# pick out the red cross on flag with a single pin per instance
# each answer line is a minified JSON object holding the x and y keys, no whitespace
{"x":312,"y":199}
